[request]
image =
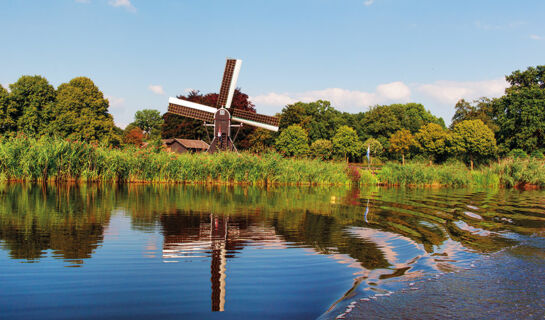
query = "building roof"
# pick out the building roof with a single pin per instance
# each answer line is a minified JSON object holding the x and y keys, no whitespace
{"x":188,"y":143}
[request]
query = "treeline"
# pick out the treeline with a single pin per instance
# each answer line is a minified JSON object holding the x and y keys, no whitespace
{"x":512,"y":125}
{"x":76,"y":110}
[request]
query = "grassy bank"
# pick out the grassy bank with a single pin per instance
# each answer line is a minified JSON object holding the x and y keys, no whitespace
{"x":47,"y":159}
{"x":521,"y":173}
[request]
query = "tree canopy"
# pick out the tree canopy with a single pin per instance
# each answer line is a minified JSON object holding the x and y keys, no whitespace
{"x":401,"y":141}
{"x":520,"y":113}
{"x":432,"y":140}
{"x":293,"y":141}
{"x":148,"y":119}
{"x":346,"y":142}
{"x":472,"y":138}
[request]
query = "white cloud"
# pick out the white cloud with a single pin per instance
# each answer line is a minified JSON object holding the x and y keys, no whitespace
{"x":343,"y":99}
{"x":157,"y":89}
{"x":536,"y":37}
{"x":449,"y":92}
{"x":116,"y":102}
{"x":368,"y":2}
{"x":6,"y":86}
{"x":122,"y":3}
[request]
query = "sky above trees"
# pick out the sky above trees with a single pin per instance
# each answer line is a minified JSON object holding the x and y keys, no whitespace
{"x":355,"y":53}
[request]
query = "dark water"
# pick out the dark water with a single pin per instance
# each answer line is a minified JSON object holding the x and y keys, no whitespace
{"x":147,"y":252}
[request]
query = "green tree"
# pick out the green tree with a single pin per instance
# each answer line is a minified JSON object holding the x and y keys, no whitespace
{"x":318,"y":118}
{"x":261,"y":140}
{"x":81,"y":112}
{"x":482,"y":109}
{"x":432,"y":140}
{"x":472,"y":139}
{"x":148,"y":119}
{"x":520,"y":113}
{"x":401,"y":142}
{"x":293,"y":141}
{"x":375,"y":148}
{"x":7,"y":121}
{"x":322,"y":149}
{"x":346,"y":142}
{"x":29,"y":99}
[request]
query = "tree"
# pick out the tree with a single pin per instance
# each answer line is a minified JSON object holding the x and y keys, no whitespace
{"x":81,"y":112}
{"x":322,"y":149}
{"x":29,"y":99}
{"x":293,"y":141}
{"x":318,"y":118}
{"x":134,"y":136}
{"x":432,"y":140}
{"x":261,"y":140}
{"x":148,"y":120}
{"x":480,"y":109}
{"x":520,"y":113}
{"x":401,"y":142}
{"x":472,"y":138}
{"x":346,"y":142}
{"x":7,"y":121}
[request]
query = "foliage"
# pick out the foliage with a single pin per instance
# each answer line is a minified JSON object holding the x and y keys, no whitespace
{"x":520,"y":113}
{"x":432,"y":140}
{"x":134,"y":136}
{"x":49,"y":159}
{"x":375,"y":147}
{"x":81,"y":112}
{"x":30,"y":101}
{"x":7,"y":111}
{"x":147,"y":120}
{"x":346,"y":142}
{"x":517,"y":153}
{"x":473,"y":139}
{"x":322,"y":149}
{"x":520,"y":172}
{"x":293,"y":141}
{"x":481,"y":109}
{"x":318,"y":118}
{"x":401,"y":141}
{"x":261,"y":140}
{"x":537,"y":154}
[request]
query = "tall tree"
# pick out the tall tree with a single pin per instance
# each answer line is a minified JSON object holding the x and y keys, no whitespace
{"x":322,"y":149}
{"x":7,"y":121}
{"x":29,"y":99}
{"x":81,"y":112}
{"x":481,"y":109}
{"x":346,"y":142}
{"x":147,"y":120}
{"x":472,"y":139}
{"x":520,"y":113}
{"x":293,"y":141}
{"x":432,"y":140}
{"x":401,"y":142}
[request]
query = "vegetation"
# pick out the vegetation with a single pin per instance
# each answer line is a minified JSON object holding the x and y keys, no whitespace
{"x":346,"y":142}
{"x":401,"y":142}
{"x":47,"y":159}
{"x":322,"y":149}
{"x":293,"y":142}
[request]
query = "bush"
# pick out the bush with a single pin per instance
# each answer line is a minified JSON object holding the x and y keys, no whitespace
{"x":517,"y":153}
{"x":537,"y":154}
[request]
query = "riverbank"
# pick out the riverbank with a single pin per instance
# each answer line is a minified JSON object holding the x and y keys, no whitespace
{"x":56,"y":160}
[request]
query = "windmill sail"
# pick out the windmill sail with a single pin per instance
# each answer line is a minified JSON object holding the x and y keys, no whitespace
{"x":228,"y":85}
{"x":256,"y":119}
{"x":190,"y":109}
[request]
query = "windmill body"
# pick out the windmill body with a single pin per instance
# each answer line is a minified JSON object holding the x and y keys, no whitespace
{"x":222,"y":115}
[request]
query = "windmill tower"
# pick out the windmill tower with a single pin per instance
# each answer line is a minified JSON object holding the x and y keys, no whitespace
{"x":222,"y":115}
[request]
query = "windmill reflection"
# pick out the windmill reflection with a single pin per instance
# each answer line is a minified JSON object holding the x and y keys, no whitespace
{"x":216,"y":236}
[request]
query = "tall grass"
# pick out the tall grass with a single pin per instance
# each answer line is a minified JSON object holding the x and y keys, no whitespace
{"x":48,"y":159}
{"x":520,"y":172}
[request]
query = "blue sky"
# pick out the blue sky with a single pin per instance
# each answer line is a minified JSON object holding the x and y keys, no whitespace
{"x":355,"y":53}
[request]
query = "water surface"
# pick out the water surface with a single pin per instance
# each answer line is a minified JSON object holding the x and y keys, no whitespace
{"x":145,"y":251}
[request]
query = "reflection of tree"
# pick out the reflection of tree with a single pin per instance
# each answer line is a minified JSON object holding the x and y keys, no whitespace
{"x":70,"y":221}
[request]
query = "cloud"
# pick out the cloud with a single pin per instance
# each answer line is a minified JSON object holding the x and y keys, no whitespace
{"x":536,"y":37}
{"x":449,"y":92}
{"x":122,"y":3}
{"x":116,"y":102}
{"x":368,"y":2}
{"x":343,"y":99}
{"x":157,"y":89}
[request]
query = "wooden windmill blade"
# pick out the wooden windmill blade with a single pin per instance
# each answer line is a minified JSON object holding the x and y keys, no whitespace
{"x":229,"y":83}
{"x":190,"y":109}
{"x":256,"y":119}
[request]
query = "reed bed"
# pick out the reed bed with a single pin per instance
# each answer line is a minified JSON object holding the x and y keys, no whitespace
{"x":49,"y":159}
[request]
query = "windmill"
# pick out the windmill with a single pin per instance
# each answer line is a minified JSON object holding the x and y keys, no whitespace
{"x":222,"y":115}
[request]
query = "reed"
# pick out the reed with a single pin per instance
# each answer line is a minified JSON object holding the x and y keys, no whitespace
{"x":50,"y":159}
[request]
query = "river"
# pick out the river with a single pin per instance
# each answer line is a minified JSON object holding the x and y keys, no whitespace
{"x":174,"y":251}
